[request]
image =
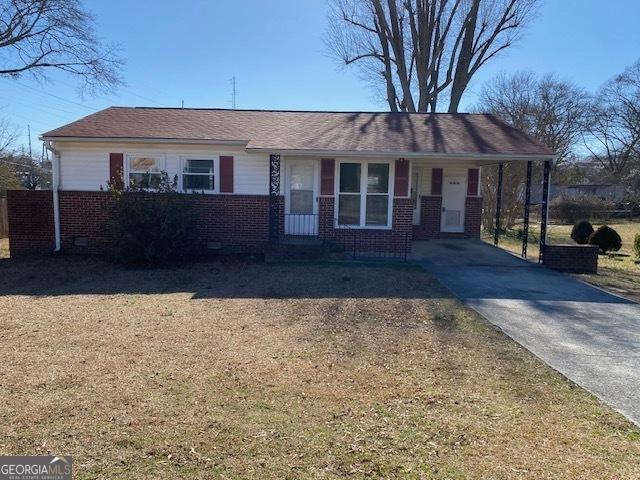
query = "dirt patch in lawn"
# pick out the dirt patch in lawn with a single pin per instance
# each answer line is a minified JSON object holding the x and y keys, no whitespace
{"x":4,"y":248}
{"x":268,"y":371}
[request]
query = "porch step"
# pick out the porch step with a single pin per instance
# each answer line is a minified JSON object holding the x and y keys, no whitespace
{"x":292,"y":252}
{"x":301,"y":240}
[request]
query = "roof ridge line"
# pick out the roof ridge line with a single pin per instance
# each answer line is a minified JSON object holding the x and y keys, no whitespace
{"x":268,"y":110}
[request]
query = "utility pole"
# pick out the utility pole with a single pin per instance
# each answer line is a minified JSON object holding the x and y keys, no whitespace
{"x":234,"y":92}
{"x":29,"y":133}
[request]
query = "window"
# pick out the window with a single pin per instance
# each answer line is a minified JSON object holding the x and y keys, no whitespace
{"x":349,"y":196}
{"x":363,"y":194}
{"x":144,"y":171}
{"x":198,"y":175}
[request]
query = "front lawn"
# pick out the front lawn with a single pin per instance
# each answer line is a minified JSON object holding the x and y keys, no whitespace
{"x":269,"y":371}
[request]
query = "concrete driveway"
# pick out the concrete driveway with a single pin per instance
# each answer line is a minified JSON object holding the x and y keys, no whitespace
{"x":588,"y":335}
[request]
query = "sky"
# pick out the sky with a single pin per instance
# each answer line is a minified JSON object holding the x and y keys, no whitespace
{"x":190,"y":50}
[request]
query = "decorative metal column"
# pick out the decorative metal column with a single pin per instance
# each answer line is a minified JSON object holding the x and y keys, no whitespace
{"x":496,"y":231}
{"x":545,"y":209}
{"x":274,"y":198}
{"x":527,"y":202}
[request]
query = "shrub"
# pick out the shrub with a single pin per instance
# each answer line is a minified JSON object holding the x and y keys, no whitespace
{"x":636,"y":245}
{"x":570,"y":209}
{"x":152,"y":227}
{"x":606,"y":238}
{"x":581,"y":231}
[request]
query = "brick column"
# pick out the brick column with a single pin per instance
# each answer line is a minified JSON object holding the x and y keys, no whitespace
{"x":472,"y":217}
{"x":430,"y":213}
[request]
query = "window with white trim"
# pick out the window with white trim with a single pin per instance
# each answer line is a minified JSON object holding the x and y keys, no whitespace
{"x":198,"y":175}
{"x":144,"y":171}
{"x":364,"y":198}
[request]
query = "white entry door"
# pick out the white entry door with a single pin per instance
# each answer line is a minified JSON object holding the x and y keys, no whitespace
{"x":301,"y":206}
{"x":454,"y":194}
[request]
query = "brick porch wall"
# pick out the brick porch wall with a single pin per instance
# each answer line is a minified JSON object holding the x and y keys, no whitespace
{"x":31,"y":230}
{"x":430,"y":217}
{"x":572,"y":258}
{"x":396,"y":240}
{"x":239,"y":222}
{"x":472,"y":217}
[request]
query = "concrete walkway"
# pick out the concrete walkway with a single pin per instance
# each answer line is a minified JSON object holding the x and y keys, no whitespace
{"x":588,"y":335}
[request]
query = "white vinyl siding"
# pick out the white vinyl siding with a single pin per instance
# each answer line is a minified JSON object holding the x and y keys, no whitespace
{"x":82,"y":170}
{"x":86,"y":168}
{"x":251,"y":174}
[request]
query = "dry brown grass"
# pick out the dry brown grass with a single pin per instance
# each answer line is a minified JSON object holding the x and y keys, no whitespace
{"x":4,"y":248}
{"x":266,"y":371}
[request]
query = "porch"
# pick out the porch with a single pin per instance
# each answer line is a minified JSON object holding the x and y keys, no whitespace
{"x":385,"y":205}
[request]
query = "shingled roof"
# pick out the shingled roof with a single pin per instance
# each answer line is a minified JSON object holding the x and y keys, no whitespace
{"x":280,"y":131}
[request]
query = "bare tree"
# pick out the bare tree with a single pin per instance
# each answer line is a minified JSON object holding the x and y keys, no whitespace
{"x":613,"y":132}
{"x":420,"y":50}
{"x":8,"y":135}
{"x":549,"y":109}
{"x":40,"y":35}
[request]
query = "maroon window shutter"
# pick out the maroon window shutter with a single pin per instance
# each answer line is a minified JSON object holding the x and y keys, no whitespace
{"x":226,"y":174}
{"x":327,"y":172}
{"x":472,"y":182}
{"x":116,"y":168}
{"x":401,"y":185}
{"x":436,"y":181}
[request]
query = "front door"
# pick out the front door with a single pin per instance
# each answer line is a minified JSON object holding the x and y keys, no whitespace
{"x":301,"y":206}
{"x":454,"y":193}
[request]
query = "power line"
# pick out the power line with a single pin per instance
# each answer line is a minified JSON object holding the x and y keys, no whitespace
{"x":54,"y":96}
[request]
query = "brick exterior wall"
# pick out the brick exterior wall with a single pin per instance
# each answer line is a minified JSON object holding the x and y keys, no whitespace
{"x":239,"y":222}
{"x":572,"y":258}
{"x":84,"y":214}
{"x":31,"y":230}
{"x":397,"y":240}
{"x":430,"y":219}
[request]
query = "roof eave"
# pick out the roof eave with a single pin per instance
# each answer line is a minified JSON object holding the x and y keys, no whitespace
{"x":190,"y":141}
{"x":486,"y":157}
{"x":497,"y":157}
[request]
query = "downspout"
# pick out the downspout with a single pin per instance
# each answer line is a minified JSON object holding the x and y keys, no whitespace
{"x":55,"y":166}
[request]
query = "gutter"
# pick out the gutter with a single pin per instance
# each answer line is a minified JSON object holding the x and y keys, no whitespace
{"x":487,"y":157}
{"x":55,"y":166}
{"x":178,"y":141}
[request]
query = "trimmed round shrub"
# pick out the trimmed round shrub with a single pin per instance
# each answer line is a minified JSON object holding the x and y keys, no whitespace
{"x":606,"y":238}
{"x":581,"y":231}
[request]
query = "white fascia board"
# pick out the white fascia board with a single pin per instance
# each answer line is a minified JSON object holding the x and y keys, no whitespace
{"x":497,"y":158}
{"x":193,"y":141}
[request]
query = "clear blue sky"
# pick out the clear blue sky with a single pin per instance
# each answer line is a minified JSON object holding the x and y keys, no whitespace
{"x":189,"y":51}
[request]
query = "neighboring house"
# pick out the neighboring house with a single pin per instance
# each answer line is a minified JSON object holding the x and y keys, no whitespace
{"x":609,"y":192}
{"x":273,"y":175}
